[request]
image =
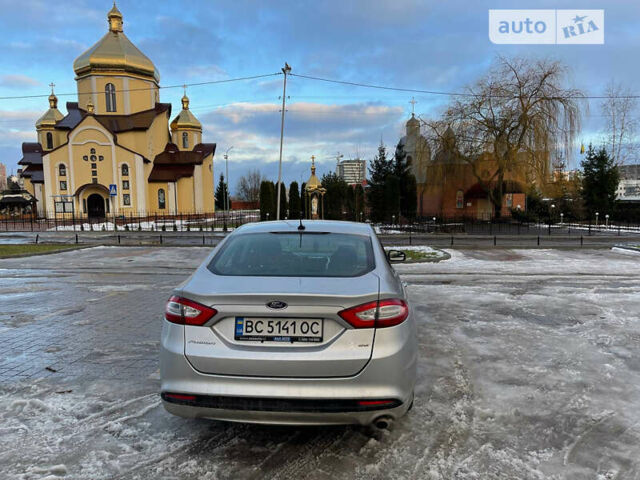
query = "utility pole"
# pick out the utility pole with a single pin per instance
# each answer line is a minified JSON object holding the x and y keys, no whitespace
{"x":286,"y":69}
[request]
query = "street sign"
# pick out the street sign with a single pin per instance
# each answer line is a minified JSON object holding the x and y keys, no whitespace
{"x":113,"y":190}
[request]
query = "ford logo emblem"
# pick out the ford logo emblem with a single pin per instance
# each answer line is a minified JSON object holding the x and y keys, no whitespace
{"x":276,"y":305}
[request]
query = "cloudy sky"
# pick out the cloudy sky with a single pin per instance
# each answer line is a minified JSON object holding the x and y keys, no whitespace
{"x":419,"y":44}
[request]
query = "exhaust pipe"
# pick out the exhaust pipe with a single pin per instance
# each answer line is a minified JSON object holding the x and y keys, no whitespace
{"x":383,"y":422}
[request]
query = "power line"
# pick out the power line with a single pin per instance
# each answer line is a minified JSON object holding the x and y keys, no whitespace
{"x":436,"y":92}
{"x":210,"y":82}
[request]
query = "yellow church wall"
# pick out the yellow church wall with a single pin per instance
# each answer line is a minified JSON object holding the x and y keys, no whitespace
{"x":58,"y":137}
{"x":207,"y":184}
{"x":132,"y":94}
{"x":185,"y":195}
{"x":152,"y":198}
{"x":148,"y":143}
{"x":193,"y":138}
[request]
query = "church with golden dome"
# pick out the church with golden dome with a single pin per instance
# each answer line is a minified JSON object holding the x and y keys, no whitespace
{"x":115,"y":152}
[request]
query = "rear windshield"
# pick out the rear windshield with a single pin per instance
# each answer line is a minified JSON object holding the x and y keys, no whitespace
{"x":294,"y":255}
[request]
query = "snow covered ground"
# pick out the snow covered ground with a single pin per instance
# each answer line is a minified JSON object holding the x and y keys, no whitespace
{"x":529,"y":369}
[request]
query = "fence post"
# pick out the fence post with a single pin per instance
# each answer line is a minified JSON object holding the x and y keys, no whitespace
{"x":76,"y":238}
{"x":452,"y":240}
{"x":203,"y":239}
{"x":160,"y":239}
{"x":118,"y":239}
{"x":538,"y":240}
{"x":618,"y":229}
{"x":581,"y":240}
{"x":37,"y":237}
{"x":494,"y":240}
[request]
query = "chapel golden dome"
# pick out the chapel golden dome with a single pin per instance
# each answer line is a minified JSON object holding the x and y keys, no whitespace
{"x":115,"y":53}
{"x":185,"y":119}
{"x":314,"y":182}
{"x":51,"y":116}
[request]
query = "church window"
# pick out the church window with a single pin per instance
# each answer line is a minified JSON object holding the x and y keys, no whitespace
{"x":110,"y":94}
{"x":161,"y":199}
{"x":100,"y":158}
{"x":63,"y":185}
{"x":94,"y":173}
{"x":49,"y":140}
{"x":92,"y":151}
{"x":459,"y":199}
{"x":125,"y":184}
{"x":85,"y":158}
{"x":125,"y":170}
{"x":126,"y":199}
{"x":93,"y":158}
{"x":185,"y":140}
{"x":94,"y":180}
{"x":94,"y":165}
{"x":62,"y":170}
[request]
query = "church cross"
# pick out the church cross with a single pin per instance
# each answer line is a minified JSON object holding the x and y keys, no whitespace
{"x":52,"y":85}
{"x":413,"y":105}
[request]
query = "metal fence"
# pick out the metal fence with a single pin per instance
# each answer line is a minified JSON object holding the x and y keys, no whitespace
{"x":131,"y":221}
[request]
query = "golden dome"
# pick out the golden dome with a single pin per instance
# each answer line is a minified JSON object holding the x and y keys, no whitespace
{"x":51,"y":116}
{"x":314,"y":182}
{"x":185,"y":119}
{"x":115,"y":52}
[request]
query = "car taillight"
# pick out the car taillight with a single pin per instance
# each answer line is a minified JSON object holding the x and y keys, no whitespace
{"x":385,"y":313}
{"x":187,"y":312}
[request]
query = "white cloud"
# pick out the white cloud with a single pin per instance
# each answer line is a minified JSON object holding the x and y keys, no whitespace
{"x":18,"y":81}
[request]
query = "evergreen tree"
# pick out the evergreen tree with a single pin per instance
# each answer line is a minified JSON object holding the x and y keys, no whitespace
{"x":295,"y":206}
{"x":283,"y":201}
{"x":408,"y":189}
{"x":303,"y":199}
{"x":378,"y":195}
{"x":359,"y":203}
{"x":599,"y":182}
{"x":221,"y":194}
{"x":267,"y":200}
{"x":336,"y":197}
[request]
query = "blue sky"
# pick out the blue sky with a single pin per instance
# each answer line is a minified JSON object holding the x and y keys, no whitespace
{"x":403,"y":43}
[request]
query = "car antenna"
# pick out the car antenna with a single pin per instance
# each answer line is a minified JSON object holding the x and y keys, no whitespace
{"x":301,"y":226}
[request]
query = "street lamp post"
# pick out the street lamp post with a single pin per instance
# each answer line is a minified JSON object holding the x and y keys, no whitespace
{"x":607,"y":220}
{"x":597,"y":218}
{"x":286,"y":69}
{"x":561,"y":218}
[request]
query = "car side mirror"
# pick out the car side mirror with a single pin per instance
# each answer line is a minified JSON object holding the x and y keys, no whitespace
{"x":396,"y":256}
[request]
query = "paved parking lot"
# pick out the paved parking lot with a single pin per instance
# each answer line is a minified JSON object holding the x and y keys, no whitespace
{"x":529,"y":368}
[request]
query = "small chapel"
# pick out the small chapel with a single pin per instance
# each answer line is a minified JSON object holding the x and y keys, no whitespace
{"x":117,"y":151}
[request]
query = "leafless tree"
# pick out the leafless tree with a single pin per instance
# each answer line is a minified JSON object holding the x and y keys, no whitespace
{"x":618,"y":110}
{"x":249,"y":186}
{"x":509,"y":120}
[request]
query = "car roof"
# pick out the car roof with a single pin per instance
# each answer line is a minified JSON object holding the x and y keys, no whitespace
{"x":331,"y":226}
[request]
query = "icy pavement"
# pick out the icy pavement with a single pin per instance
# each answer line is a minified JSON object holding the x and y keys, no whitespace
{"x":529,"y":369}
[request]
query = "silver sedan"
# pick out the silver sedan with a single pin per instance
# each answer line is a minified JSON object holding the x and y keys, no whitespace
{"x":291,"y":323}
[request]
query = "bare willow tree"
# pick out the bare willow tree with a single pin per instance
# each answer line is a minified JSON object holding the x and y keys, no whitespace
{"x":249,"y":186}
{"x":618,"y":109}
{"x":510,"y":120}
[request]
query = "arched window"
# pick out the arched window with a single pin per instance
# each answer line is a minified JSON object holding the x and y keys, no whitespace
{"x":185,"y":140}
{"x":459,"y":199}
{"x":125,"y":170}
{"x":161,"y":199}
{"x":49,"y":140}
{"x":62,"y":170}
{"x":110,"y":96}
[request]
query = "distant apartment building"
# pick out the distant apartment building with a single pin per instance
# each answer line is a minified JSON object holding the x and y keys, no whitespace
{"x":629,"y":185}
{"x":3,"y":176}
{"x":352,"y":171}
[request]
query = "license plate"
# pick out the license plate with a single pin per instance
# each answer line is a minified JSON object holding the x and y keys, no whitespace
{"x":278,"y":329}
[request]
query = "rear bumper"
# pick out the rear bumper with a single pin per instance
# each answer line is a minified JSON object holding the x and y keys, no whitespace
{"x":390,"y":374}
